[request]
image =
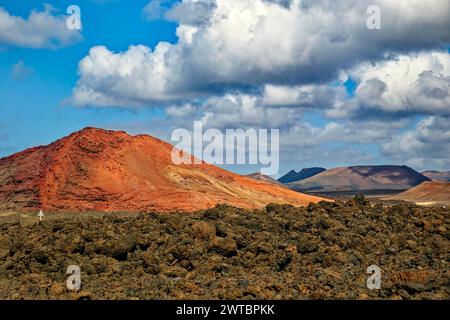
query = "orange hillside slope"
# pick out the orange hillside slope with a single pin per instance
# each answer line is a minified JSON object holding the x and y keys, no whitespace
{"x":100,"y":170}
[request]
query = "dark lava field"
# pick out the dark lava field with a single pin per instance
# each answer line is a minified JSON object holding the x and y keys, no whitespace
{"x":280,"y":252}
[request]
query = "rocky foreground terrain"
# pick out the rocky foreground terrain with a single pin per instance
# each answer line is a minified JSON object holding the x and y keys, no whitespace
{"x":281,"y":252}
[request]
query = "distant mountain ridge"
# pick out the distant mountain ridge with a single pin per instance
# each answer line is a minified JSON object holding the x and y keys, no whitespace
{"x":361,"y":178}
{"x":262,"y":177}
{"x":442,"y":176}
{"x":305,"y":173}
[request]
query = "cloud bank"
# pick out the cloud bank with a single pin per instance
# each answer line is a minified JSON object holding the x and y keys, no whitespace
{"x":233,"y":45}
{"x":270,"y":63}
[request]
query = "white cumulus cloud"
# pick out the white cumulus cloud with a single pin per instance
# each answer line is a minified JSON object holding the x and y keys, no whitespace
{"x":417,"y":83}
{"x":41,"y":29}
{"x":20,"y":71}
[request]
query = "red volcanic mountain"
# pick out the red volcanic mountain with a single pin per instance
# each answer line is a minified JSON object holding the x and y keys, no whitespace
{"x":429,"y":191}
{"x":100,"y":170}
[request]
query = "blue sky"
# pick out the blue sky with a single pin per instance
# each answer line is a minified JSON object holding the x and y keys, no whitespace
{"x":33,"y":111}
{"x":340,"y":122}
